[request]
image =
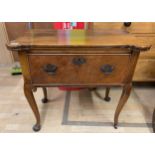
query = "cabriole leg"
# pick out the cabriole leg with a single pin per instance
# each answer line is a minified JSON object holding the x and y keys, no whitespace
{"x":33,"y":105}
{"x":124,"y":97}
{"x":45,"y":99}
{"x":107,"y":98}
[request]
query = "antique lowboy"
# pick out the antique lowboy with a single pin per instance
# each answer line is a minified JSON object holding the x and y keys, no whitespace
{"x":85,"y":58}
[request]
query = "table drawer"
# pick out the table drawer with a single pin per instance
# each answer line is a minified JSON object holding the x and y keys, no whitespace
{"x":78,"y":69}
{"x":142,"y":27}
{"x":134,"y":27}
{"x":145,"y":70}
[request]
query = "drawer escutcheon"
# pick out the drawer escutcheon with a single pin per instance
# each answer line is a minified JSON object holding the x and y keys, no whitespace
{"x":79,"y":61}
{"x":50,"y":69}
{"x":107,"y":69}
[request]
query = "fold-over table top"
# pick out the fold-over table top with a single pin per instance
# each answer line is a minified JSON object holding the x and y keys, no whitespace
{"x":101,"y":38}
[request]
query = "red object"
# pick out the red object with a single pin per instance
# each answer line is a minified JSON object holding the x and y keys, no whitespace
{"x":80,"y":25}
{"x":58,"y":25}
{"x":68,"y":25}
{"x":70,"y":88}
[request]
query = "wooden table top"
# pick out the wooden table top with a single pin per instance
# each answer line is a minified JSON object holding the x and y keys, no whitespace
{"x":102,"y":38}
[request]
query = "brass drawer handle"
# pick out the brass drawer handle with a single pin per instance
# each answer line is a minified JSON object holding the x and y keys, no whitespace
{"x":107,"y":69}
{"x":127,"y":24}
{"x":79,"y":61}
{"x":50,"y":69}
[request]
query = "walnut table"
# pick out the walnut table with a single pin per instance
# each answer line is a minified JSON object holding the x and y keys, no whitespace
{"x":85,"y":58}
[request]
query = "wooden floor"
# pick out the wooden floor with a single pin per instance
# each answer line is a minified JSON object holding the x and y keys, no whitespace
{"x":78,"y":111}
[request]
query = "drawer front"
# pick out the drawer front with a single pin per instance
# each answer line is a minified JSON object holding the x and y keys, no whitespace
{"x":145,"y":70}
{"x":150,"y":39}
{"x":134,"y":27}
{"x":149,"y":54}
{"x":108,"y":25}
{"x":142,"y":27}
{"x":78,"y":69}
